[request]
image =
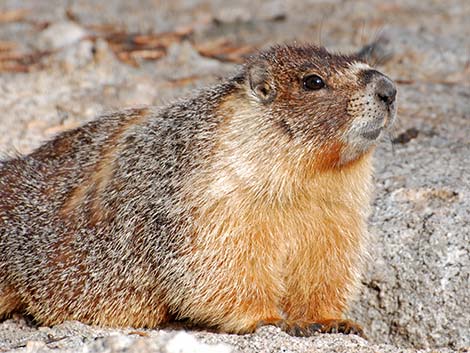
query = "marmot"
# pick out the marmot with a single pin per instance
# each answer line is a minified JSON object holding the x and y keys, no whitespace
{"x":242,"y":206}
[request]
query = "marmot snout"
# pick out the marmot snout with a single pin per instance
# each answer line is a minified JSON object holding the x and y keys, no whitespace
{"x":241,"y":206}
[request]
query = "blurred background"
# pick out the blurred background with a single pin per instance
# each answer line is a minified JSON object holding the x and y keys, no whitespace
{"x":65,"y":62}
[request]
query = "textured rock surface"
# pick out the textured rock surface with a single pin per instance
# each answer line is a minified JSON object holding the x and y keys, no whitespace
{"x":74,"y":337}
{"x":415,"y":292}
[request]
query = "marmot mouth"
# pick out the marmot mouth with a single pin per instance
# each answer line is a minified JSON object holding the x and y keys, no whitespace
{"x":373,"y":134}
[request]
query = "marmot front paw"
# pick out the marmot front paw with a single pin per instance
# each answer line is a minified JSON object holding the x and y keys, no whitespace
{"x":306,"y":329}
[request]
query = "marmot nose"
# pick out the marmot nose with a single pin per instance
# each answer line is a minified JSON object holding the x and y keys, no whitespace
{"x":385,"y":90}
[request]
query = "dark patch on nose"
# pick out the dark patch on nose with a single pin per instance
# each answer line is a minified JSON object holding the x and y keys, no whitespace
{"x":383,"y":87}
{"x":385,"y":90}
{"x":368,"y":75}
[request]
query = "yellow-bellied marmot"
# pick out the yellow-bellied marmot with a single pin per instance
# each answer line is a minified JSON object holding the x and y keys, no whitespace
{"x":241,"y":206}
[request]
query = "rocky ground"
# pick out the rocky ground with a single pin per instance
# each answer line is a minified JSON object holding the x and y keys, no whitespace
{"x":64,"y":62}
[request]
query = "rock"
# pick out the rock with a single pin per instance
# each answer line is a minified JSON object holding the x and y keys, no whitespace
{"x":73,"y":56}
{"x":185,"y":61}
{"x":183,"y":342}
{"x":59,"y":35}
{"x":74,"y":337}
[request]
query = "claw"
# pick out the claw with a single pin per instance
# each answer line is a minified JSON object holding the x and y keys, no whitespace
{"x":306,"y":329}
{"x":342,"y":326}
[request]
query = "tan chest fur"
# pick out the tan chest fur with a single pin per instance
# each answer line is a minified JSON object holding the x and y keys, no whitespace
{"x":281,"y":233}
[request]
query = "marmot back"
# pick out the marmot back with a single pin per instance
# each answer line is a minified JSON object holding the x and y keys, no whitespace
{"x":244,"y":205}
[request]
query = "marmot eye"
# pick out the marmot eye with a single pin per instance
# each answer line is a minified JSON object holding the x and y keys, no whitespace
{"x":313,"y":82}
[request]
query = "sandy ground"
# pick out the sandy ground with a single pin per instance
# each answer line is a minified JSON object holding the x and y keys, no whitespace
{"x":63,"y":63}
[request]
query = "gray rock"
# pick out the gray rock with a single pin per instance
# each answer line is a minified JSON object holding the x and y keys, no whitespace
{"x":59,"y":35}
{"x":74,"y":337}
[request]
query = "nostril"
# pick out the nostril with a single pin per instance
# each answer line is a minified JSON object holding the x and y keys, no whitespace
{"x":385,"y":90}
{"x":387,"y":97}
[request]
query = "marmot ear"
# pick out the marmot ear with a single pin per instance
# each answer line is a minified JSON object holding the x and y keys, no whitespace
{"x":261,"y":83}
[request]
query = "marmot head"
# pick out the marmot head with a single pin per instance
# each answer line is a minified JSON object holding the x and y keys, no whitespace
{"x":336,"y":105}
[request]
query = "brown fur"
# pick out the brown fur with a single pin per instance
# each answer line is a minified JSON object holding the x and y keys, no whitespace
{"x":102,"y":173}
{"x":245,"y":205}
